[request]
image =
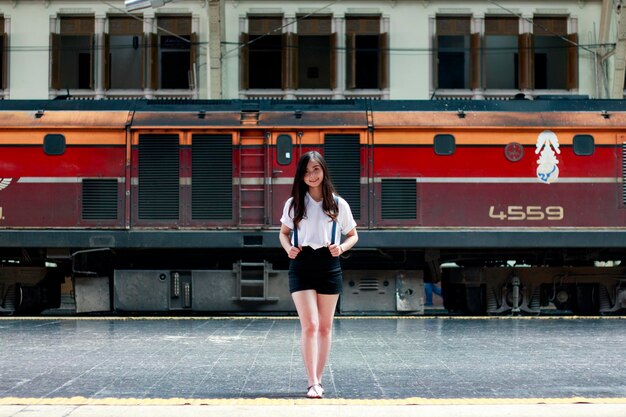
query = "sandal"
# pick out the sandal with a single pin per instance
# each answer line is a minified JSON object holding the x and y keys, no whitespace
{"x":315,"y":391}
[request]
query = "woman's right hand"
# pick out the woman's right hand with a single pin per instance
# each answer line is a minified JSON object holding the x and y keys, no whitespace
{"x":294,"y":251}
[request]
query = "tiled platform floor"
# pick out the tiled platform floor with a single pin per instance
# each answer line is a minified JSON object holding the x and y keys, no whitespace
{"x":426,"y":359}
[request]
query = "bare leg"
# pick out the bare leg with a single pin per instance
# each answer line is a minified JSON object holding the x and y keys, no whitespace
{"x":306,"y":304}
{"x":326,"y":304}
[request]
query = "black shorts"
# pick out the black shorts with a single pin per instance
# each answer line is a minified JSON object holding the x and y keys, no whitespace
{"x":315,"y":270}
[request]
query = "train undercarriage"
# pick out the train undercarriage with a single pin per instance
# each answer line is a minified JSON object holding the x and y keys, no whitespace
{"x":256,"y":282}
{"x":535,"y":290}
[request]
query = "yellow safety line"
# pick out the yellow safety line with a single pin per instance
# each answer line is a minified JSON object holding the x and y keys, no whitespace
{"x":218,"y":318}
{"x":79,"y":401}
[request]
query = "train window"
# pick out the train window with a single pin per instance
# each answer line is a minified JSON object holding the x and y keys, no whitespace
{"x":284,"y":149}
{"x":584,"y":145}
{"x":444,"y":144}
{"x":54,"y":144}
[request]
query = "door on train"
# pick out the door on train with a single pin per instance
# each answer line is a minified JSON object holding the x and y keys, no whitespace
{"x":284,"y":158}
{"x":342,"y":152}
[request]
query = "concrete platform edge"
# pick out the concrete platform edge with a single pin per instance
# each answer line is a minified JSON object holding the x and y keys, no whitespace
{"x":82,"y":401}
{"x":319,"y":410}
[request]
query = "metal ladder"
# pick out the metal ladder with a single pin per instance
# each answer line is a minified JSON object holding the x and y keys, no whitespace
{"x":252,"y":179}
{"x":253,"y":282}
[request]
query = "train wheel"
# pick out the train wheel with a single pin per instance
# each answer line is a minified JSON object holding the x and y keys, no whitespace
{"x":476,"y":300}
{"x":9,"y":300}
{"x":587,"y":300}
{"x":470,"y":300}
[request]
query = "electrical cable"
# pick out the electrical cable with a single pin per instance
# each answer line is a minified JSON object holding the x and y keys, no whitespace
{"x":239,"y":45}
{"x":531,"y":21}
{"x":243,"y":45}
{"x":135,"y":16}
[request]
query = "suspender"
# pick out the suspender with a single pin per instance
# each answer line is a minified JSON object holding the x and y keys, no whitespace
{"x":332,"y":238}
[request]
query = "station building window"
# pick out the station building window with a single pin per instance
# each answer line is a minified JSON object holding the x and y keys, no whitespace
{"x":118,"y":56}
{"x":315,"y":53}
{"x":125,"y":49}
{"x":501,"y":56}
{"x":263,"y":56}
{"x":72,"y":53}
{"x":4,"y":55}
{"x":455,"y":51}
{"x":274,"y":59}
{"x":367,"y":53}
{"x":491,"y":53}
{"x":302,"y":53}
{"x":554,"y":54}
{"x":173,"y":54}
{"x":165,"y":60}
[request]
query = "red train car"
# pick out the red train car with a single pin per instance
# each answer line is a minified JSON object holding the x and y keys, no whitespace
{"x":515,"y":206}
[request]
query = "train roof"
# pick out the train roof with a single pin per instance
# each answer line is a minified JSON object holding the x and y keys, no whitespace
{"x":548,"y":104}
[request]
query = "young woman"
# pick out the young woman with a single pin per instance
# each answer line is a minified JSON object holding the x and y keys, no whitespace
{"x":313,"y":213}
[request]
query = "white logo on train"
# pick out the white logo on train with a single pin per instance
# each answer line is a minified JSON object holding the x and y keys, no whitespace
{"x":548,"y":148}
{"x":4,"y":183}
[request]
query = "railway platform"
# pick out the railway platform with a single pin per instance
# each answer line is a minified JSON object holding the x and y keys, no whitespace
{"x":379,"y":366}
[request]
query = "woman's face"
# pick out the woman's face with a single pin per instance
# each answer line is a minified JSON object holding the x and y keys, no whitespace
{"x":314,"y":174}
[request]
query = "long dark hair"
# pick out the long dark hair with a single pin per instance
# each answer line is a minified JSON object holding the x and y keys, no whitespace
{"x":299,"y":189}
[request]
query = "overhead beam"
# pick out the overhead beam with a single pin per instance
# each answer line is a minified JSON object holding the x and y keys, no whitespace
{"x":133,"y":5}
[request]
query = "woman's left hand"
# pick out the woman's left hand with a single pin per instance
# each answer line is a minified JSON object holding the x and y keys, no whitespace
{"x":335,"y":250}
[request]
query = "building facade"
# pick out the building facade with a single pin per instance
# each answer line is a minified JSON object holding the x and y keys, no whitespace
{"x":396,"y":49}
{"x":96,"y":50}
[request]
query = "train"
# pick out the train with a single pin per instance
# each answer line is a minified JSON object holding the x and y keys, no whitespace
{"x":173,"y":206}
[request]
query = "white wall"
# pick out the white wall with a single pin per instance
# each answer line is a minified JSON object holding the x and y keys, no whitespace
{"x":29,"y":40}
{"x":410,"y":65}
{"x":410,"y":32}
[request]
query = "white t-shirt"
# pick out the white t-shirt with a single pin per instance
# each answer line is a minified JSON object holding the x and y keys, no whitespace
{"x":315,"y":229}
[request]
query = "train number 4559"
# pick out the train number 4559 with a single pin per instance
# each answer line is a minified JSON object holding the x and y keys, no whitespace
{"x":517,"y":213}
